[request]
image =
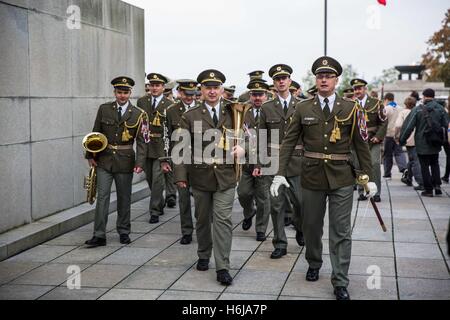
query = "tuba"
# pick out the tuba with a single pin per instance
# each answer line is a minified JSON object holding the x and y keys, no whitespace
{"x":94,"y":143}
{"x":239,"y":110}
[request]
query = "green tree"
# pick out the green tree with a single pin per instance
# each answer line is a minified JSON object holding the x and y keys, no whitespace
{"x":437,"y":57}
{"x":348,"y":74}
{"x":308,"y":81}
{"x":387,"y":76}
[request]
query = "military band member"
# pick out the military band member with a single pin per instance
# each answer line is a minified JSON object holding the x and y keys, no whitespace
{"x":212,"y":179}
{"x":276,"y":115}
{"x":349,"y":93}
{"x":294,"y":89}
{"x":377,"y":126}
{"x":122,"y":124}
{"x":254,"y":75}
{"x":327,"y":128}
{"x":254,"y":189}
{"x":228,"y":93}
{"x":312,"y":92}
{"x":155,"y":106}
{"x":186,"y":90}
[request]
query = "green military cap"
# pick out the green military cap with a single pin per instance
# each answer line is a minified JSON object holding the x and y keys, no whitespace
{"x":326,"y":65}
{"x":312,"y":90}
{"x":211,"y":77}
{"x":230,"y":89}
{"x":349,"y":91}
{"x":258,"y":86}
{"x":256,"y":74}
{"x":294,"y":85}
{"x":358,"y":83}
{"x":123,"y":83}
{"x":272,"y":87}
{"x":280,"y":70}
{"x":156,"y":77}
{"x":188,"y":86}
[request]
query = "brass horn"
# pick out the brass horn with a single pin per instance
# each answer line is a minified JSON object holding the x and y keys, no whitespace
{"x":94,"y":143}
{"x":239,"y":110}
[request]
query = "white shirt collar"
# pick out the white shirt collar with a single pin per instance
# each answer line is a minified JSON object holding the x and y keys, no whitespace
{"x":363,"y":101}
{"x":158,"y":99}
{"x":331,"y":100}
{"x":210,"y":109}
{"x":288,"y":100}
{"x":124,"y":107}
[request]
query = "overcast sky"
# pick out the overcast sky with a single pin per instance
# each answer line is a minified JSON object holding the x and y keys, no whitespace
{"x":184,"y":38}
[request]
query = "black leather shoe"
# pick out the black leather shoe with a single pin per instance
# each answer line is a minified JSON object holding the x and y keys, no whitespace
{"x":377,"y":199}
{"x":445,"y":179}
{"x":299,"y":238}
{"x":171,"y":203}
{"x":260,"y":236}
{"x":312,"y":275}
{"x":287,"y":221}
{"x":125,"y":239}
{"x":96,"y":242}
{"x":203,"y":264}
{"x":427,"y":194}
{"x":247,"y":224}
{"x":224,"y":277}
{"x":362,"y":197}
{"x":341,"y":293}
{"x":154,"y":219}
{"x":420,"y":187}
{"x":278,"y":253}
{"x":186,"y":239}
{"x":438,"y":191}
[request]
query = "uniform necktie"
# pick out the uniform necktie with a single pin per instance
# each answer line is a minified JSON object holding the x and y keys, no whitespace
{"x":257,"y":116}
{"x":120,"y":114}
{"x":285,"y":107}
{"x":326,"y":109}
{"x":215,"y":119}
{"x":154,"y":104}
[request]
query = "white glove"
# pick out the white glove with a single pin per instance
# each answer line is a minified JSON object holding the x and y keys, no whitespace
{"x":372,"y":189}
{"x":278,"y":181}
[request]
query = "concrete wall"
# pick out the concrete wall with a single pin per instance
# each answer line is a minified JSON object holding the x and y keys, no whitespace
{"x":52,"y":81}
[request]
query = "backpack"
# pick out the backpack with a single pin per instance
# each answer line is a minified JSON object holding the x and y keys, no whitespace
{"x":435,"y":134}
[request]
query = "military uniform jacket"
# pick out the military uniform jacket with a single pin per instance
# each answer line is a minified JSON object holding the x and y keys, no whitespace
{"x":203,"y":174}
{"x":310,"y":126}
{"x":376,"y":119}
{"x":155,"y":149}
{"x":251,"y":138}
{"x":107,"y":122}
{"x":173,"y":118}
{"x":273,"y":118}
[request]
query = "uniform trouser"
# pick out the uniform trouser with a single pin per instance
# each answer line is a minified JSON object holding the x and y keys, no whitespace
{"x":214,"y":208}
{"x":171,"y":189}
{"x":287,"y":208}
{"x":340,"y":243}
{"x":123,"y":186}
{"x":391,"y":150}
{"x":375,"y":155}
{"x":184,"y":202}
{"x":414,"y":165}
{"x":430,"y":162}
{"x":252,"y":189}
{"x":155,"y":179}
{"x":276,"y":210}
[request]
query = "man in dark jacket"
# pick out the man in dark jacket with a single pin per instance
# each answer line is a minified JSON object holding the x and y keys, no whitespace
{"x":428,"y":153}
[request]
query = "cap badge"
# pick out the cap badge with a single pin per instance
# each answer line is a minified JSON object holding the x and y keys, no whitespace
{"x":325,"y":62}
{"x":212,"y":75}
{"x":124,"y":80}
{"x":279,"y":69}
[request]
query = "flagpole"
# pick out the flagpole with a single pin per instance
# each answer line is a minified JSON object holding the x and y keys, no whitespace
{"x":326,"y":26}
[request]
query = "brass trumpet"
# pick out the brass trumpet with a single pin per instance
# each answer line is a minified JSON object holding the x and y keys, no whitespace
{"x":239,"y":111}
{"x":94,"y":143}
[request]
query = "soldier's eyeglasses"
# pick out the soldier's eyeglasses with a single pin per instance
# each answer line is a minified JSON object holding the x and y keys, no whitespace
{"x":325,"y":76}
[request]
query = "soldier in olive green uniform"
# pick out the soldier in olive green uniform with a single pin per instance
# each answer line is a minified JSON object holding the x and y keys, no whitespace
{"x":212,"y":179}
{"x":295,"y":89}
{"x":377,"y":126}
{"x":349,"y":93}
{"x":155,"y":106}
{"x":312,"y":92}
{"x":276,"y":115}
{"x":252,"y":188}
{"x":171,"y":192}
{"x":327,"y":126}
{"x":122,"y":124}
{"x":228,"y":93}
{"x":187,"y":89}
{"x":254,"y":75}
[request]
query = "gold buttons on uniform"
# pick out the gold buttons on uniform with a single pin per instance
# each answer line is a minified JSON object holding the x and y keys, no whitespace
{"x":326,"y":161}
{"x":326,"y":123}
{"x":326,"y":136}
{"x":325,"y":148}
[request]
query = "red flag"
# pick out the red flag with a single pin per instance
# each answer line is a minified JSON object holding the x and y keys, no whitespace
{"x":382,"y":2}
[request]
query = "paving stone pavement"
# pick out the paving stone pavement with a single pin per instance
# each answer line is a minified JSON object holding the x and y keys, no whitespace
{"x":411,"y":259}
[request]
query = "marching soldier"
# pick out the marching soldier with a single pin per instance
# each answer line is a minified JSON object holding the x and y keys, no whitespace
{"x":312,"y":92}
{"x":228,"y":93}
{"x":377,"y":126}
{"x":252,"y":188}
{"x":294,"y":89}
{"x":349,"y":93}
{"x":212,"y":179}
{"x":122,"y":124}
{"x":155,"y":106}
{"x":276,"y":115}
{"x":327,"y":128}
{"x":254,"y":75}
{"x":186,"y":90}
